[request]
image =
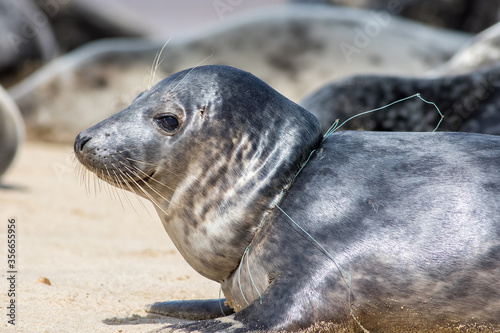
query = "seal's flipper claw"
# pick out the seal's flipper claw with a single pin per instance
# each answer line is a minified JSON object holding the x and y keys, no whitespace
{"x":192,"y":309}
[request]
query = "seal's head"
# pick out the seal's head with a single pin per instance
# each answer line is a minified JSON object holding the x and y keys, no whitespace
{"x":213,"y":148}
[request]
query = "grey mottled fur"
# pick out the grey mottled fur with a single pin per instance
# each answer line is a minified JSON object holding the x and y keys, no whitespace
{"x":412,"y":218}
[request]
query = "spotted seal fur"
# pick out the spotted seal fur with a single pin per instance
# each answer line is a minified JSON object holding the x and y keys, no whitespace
{"x":388,"y":231}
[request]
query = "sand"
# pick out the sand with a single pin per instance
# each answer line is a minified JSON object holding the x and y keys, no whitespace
{"x":105,"y":258}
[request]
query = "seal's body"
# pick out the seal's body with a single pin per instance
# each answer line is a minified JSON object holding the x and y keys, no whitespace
{"x":385,"y":231}
{"x":403,"y":214}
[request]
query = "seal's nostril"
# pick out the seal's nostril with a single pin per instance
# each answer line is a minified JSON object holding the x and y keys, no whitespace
{"x":80,"y":142}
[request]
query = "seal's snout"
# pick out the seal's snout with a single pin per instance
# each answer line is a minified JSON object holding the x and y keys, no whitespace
{"x":80,"y":142}
{"x":98,"y":153}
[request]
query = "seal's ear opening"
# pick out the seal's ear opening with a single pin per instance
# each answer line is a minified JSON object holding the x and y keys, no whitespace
{"x":202,"y":111}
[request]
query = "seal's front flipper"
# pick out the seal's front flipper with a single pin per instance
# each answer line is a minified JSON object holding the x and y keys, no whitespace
{"x":192,"y":309}
{"x":285,"y":306}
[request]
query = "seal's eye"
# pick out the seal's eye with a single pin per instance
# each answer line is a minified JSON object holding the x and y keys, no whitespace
{"x":168,"y":123}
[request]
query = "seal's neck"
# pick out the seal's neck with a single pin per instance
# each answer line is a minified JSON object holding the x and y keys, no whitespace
{"x":215,"y":211}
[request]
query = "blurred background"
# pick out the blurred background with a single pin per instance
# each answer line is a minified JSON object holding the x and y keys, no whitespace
{"x":33,"y":32}
{"x":41,"y":30}
{"x":62,"y":60}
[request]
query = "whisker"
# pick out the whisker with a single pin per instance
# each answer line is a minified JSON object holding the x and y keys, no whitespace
{"x":187,"y":74}
{"x":156,"y":64}
{"x":101,"y":181}
{"x":133,"y":191}
{"x":152,"y":188}
{"x":152,"y":69}
{"x":81,"y":174}
{"x":113,"y":189}
{"x":145,"y":193}
{"x":155,"y":180}
{"x":146,"y":163}
{"x":137,"y":196}
{"x":82,"y":177}
{"x":151,"y":164}
{"x":135,"y":182}
{"x":94,"y":179}
{"x":121,"y":187}
{"x":78,"y":173}
{"x":87,"y":181}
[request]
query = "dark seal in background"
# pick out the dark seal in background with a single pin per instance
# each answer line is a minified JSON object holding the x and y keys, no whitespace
{"x":466,"y":15}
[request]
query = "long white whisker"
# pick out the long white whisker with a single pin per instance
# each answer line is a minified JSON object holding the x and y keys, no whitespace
{"x":123,"y":181}
{"x":133,"y":191}
{"x":156,"y":64}
{"x":114,"y":189}
{"x":88,"y":175}
{"x":155,"y":180}
{"x":142,"y":189}
{"x":151,"y":164}
{"x":120,"y":184}
{"x":108,"y":190}
{"x":192,"y":69}
{"x":95,"y":180}
{"x":145,"y":183}
{"x":152,"y":70}
{"x":146,"y":193}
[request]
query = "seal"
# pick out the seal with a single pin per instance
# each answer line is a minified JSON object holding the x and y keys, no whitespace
{"x":25,"y":35}
{"x":11,"y":130}
{"x":479,"y":52}
{"x":384,"y":231}
{"x":469,"y":102}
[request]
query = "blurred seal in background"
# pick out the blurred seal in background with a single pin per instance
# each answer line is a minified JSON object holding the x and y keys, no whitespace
{"x":470,"y":102}
{"x":11,"y":130}
{"x":295,"y":49}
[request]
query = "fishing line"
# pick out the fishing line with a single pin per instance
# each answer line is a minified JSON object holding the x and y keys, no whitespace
{"x":336,"y":125}
{"x":331,"y":130}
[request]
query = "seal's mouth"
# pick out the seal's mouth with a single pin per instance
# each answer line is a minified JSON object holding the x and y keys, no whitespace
{"x":128,"y":180}
{"x":133,"y":179}
{"x":146,"y":179}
